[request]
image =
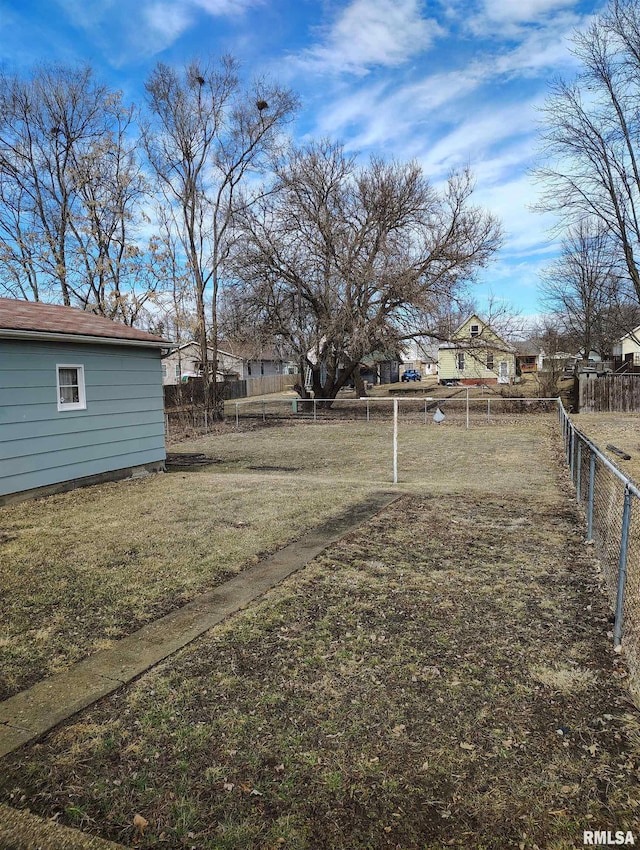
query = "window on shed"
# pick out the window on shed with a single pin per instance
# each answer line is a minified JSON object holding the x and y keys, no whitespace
{"x":475,"y":330}
{"x":70,"y":385}
{"x":490,"y":362}
{"x":460,"y":358}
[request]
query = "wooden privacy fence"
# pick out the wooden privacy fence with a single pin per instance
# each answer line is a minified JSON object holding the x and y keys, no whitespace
{"x":192,"y":393}
{"x":609,"y":394}
{"x":270,"y":384}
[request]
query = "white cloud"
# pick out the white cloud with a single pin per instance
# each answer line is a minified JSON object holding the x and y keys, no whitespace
{"x":372,"y":32}
{"x":166,"y":22}
{"x":523,"y":11}
{"x":120,"y":27}
{"x":225,"y":8}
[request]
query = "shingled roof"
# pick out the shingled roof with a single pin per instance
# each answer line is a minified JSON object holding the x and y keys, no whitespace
{"x":31,"y":319}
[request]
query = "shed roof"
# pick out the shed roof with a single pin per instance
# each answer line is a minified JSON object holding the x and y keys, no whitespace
{"x":35,"y":320}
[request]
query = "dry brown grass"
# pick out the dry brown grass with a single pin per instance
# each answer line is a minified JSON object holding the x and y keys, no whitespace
{"x":81,"y":569}
{"x":439,"y":678}
{"x":443,"y":458}
{"x":619,"y":429}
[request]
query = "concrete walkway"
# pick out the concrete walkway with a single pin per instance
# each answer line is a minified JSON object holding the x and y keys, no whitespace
{"x":32,"y":713}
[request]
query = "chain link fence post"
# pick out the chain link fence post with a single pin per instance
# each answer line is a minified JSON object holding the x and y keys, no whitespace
{"x":592,"y":487}
{"x":579,"y":472}
{"x":622,"y":566}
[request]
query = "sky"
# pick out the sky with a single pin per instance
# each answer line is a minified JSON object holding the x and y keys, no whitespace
{"x":448,"y":83}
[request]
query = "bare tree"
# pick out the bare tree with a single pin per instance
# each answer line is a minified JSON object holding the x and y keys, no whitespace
{"x":205,"y":135}
{"x":70,"y":191}
{"x":339,"y":261}
{"x":583,"y":290}
{"x":553,"y":344}
{"x":591,"y":153}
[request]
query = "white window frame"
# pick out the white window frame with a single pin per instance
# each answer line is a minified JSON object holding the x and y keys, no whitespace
{"x":81,"y":404}
{"x":490,"y":359}
{"x":177,"y":371}
{"x":460,"y":360}
{"x":164,"y":370}
{"x":474,"y":330}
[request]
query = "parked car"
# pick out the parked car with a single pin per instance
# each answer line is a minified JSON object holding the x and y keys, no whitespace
{"x":411,"y":375}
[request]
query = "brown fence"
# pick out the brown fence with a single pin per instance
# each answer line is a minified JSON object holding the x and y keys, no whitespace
{"x":609,"y":394}
{"x":191,"y":392}
{"x":269,"y":384}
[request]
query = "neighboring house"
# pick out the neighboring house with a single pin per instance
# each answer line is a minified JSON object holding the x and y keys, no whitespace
{"x":381,"y":367}
{"x":422,"y":356}
{"x":627,"y":349}
{"x":476,"y":355}
{"x":262,"y":361}
{"x":80,"y":399}
{"x":185,"y":362}
{"x":528,"y":358}
{"x":558,"y":362}
{"x":234,"y":363}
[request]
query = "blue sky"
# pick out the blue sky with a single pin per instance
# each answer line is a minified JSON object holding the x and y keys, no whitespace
{"x":445,"y":82}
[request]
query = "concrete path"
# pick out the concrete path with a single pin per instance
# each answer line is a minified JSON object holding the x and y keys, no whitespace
{"x":30,"y":714}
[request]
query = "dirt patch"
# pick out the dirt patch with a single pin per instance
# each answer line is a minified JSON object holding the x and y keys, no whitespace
{"x":179,"y":461}
{"x":442,"y":677}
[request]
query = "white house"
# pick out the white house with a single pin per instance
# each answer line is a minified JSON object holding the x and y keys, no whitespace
{"x":186,"y":362}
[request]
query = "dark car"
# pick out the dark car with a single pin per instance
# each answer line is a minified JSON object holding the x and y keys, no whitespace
{"x":411,"y":375}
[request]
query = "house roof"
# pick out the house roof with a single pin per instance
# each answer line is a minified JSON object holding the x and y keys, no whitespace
{"x":527,"y":349}
{"x":35,"y":320}
{"x":633,"y":334}
{"x":196,"y":346}
{"x":246,"y":351}
{"x":498,"y":342}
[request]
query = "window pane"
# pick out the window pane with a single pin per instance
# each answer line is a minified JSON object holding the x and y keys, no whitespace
{"x":68,"y":377}
{"x":69,"y":395}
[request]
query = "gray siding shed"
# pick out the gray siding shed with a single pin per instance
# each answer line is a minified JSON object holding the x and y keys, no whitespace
{"x":121,"y":427}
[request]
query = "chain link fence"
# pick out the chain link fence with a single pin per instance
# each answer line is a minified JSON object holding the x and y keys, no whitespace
{"x":458,"y":409}
{"x":612,"y":507}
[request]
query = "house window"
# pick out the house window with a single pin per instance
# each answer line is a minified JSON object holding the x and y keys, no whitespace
{"x":70,"y":383}
{"x":475,"y":330}
{"x":460,"y":359}
{"x":177,"y":371}
{"x":249,"y":369}
{"x":164,"y":370}
{"x":490,"y":362}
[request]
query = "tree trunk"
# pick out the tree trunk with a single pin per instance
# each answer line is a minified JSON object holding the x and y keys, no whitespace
{"x":359,"y":383}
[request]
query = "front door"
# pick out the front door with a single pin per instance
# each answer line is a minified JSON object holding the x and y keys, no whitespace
{"x":503,"y":372}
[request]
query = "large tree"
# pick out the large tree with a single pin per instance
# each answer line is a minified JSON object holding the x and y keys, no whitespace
{"x":206,"y":133}
{"x":70,"y":193}
{"x":591,"y":135}
{"x":338,"y":261}
{"x":592,"y":304}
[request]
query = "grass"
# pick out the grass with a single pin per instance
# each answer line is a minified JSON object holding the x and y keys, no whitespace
{"x":441,"y":677}
{"x":81,"y":569}
{"x":443,"y":458}
{"x":618,"y":429}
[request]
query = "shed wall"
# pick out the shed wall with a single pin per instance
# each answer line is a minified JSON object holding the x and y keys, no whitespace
{"x":122,"y":426}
